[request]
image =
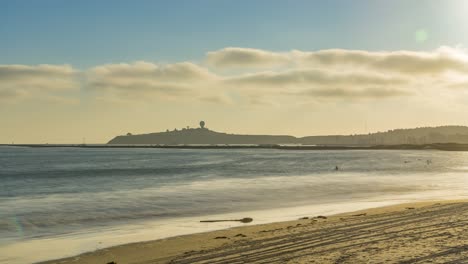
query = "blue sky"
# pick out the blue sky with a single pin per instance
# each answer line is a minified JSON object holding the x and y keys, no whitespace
{"x":86,"y":33}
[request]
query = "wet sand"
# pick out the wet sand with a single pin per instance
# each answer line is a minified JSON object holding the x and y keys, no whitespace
{"x":426,"y":232}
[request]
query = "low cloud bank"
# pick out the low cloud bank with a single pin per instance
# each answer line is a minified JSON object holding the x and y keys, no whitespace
{"x":255,"y":74}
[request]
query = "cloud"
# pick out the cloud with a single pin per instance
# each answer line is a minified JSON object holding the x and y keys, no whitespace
{"x":439,"y":61}
{"x":323,"y":84}
{"x":245,"y":57}
{"x":311,"y":77}
{"x":356,"y":93}
{"x":216,"y":99}
{"x":253,"y":76}
{"x":150,"y":71}
{"x":340,"y":73}
{"x":459,"y":85}
{"x":21,"y":81}
{"x":148,"y":79}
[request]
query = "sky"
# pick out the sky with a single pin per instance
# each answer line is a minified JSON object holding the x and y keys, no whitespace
{"x":74,"y":71}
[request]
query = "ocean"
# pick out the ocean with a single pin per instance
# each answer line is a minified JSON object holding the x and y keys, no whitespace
{"x":57,"y":202}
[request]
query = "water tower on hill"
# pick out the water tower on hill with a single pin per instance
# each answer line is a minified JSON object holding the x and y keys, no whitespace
{"x":202,"y":124}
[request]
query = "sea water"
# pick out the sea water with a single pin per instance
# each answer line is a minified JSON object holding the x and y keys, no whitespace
{"x":57,"y":202}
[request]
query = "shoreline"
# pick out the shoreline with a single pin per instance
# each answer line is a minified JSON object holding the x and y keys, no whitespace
{"x":202,"y":247}
{"x":93,"y":239}
{"x":433,"y":146}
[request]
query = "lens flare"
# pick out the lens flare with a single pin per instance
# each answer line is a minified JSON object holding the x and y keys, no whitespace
{"x":421,"y":35}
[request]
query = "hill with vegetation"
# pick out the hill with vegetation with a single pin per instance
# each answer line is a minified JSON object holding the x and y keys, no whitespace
{"x":194,"y":136}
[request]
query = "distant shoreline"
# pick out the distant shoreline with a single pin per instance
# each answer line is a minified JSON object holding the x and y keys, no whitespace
{"x":205,"y":136}
{"x":437,"y":146}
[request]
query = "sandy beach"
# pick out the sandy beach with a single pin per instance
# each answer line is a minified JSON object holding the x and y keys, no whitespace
{"x":435,"y":232}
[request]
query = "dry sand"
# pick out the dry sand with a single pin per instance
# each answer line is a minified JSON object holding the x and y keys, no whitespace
{"x":428,"y":232}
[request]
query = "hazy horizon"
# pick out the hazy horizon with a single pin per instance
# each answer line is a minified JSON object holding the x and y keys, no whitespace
{"x":246,"y":67}
{"x":182,"y":128}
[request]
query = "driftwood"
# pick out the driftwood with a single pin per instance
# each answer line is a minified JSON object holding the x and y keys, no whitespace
{"x":243,"y":220}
